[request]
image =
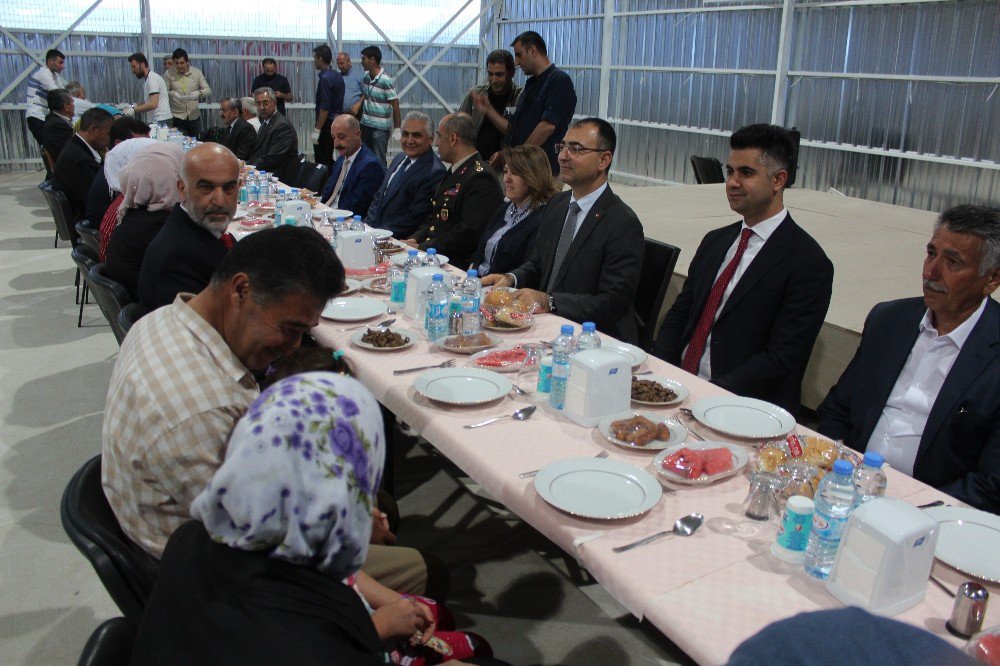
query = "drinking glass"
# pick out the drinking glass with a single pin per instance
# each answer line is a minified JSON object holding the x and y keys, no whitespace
{"x":527,"y":374}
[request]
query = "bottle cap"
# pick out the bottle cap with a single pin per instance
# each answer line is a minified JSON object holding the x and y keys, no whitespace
{"x":431,"y":250}
{"x":412,"y":253}
{"x":589,"y":327}
{"x":437,"y":277}
{"x":843,"y":467}
{"x":873,"y":459}
{"x":567,"y":329}
{"x":472,"y":272}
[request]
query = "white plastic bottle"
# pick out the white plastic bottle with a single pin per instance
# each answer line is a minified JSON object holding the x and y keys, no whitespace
{"x":412,"y":261}
{"x":431,"y":258}
{"x":834,"y":502}
{"x":357,"y":224}
{"x":437,"y":309}
{"x":265,"y":187}
{"x":869,"y":479}
{"x":562,"y":348}
{"x":472,"y":295}
{"x":588,"y":338}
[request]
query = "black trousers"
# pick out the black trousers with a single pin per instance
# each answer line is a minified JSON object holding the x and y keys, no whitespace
{"x":35,"y":127}
{"x":323,"y":151}
{"x":188,"y":127}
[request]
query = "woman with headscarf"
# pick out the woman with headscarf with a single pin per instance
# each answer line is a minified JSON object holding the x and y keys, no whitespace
{"x":149,"y":192}
{"x":116,"y":160}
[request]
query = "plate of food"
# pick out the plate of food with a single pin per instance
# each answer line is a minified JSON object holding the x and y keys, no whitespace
{"x":353,"y":309}
{"x":388,"y":246}
{"x":506,"y":319}
{"x":377,"y":285}
{"x":468,"y":344}
{"x":657,"y":391}
{"x":645,"y":432}
{"x":700,"y":463}
{"x":384,"y":339}
{"x":255,"y":223}
{"x":505,"y":359}
{"x":350,"y":287}
{"x":260,"y":207}
{"x":462,"y":386}
{"x":597,"y":488}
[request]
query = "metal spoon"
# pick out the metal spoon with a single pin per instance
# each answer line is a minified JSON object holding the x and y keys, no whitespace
{"x":520,"y":415}
{"x":382,"y":324}
{"x":685,"y":526}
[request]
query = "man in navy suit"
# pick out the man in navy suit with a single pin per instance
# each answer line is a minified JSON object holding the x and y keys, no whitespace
{"x":757,"y":291}
{"x":403,"y":201}
{"x":923,"y":388}
{"x":356,"y":174}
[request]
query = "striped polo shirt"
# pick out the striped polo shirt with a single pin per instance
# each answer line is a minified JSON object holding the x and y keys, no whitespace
{"x":378,"y":93}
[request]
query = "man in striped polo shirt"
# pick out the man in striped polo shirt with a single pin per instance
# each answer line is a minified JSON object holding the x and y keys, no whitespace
{"x":379,"y":104}
{"x":39,"y":84}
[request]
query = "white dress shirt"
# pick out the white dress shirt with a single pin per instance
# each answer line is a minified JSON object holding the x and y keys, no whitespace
{"x":898,"y":431}
{"x":403,"y":166}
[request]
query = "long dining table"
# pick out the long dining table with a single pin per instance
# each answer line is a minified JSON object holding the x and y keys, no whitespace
{"x":706,"y":592}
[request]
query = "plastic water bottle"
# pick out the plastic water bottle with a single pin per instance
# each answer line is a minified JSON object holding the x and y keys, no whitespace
{"x":397,"y":286}
{"x":834,"y":503}
{"x":412,"y":261}
{"x":869,"y":479}
{"x":431,"y":259}
{"x":589,"y":338}
{"x":562,"y":348}
{"x":437,"y":309}
{"x":265,"y":187}
{"x":254,"y":188}
{"x":357,"y":224}
{"x":290,"y":219}
{"x":472,"y":296}
{"x":455,"y":311}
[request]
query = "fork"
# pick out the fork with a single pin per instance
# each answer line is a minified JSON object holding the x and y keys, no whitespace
{"x":525,"y":475}
{"x":443,"y":364}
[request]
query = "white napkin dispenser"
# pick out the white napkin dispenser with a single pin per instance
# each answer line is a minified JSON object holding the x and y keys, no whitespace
{"x":299,"y":208}
{"x":885,"y":557}
{"x":418,"y":283}
{"x":599,"y":385}
{"x":356,"y":249}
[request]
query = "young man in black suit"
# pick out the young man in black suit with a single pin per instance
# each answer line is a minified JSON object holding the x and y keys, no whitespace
{"x":238,"y":136}
{"x":757,"y":290}
{"x":81,"y":159}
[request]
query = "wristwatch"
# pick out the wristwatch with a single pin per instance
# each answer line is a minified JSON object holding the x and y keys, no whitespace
{"x":552,"y":303}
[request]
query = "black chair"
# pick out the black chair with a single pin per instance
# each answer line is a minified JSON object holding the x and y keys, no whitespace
{"x":110,"y":645}
{"x":111,"y":296}
{"x":89,"y":234}
{"x":707,"y":170}
{"x":657,"y":268}
{"x":289,"y":171}
{"x":62,"y":213}
{"x":127,"y":572}
{"x":130,"y":314}
{"x":311,"y":176}
{"x":85,"y":258}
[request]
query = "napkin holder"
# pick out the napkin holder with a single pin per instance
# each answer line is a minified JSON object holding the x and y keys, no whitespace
{"x":355,"y":249}
{"x":599,"y":385}
{"x":417,"y":284}
{"x":299,"y":208}
{"x":885,"y":557}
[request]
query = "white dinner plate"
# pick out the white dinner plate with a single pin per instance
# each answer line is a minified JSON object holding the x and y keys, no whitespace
{"x":334,"y":214}
{"x":969,"y":540}
{"x":353,"y":309}
{"x":442,"y":344}
{"x":409,"y":335}
{"x":743,"y":417}
{"x":462,"y":386}
{"x":678,"y":433}
{"x":400,"y":258}
{"x":380,"y":234}
{"x":377,"y":285}
{"x":635,"y":355}
{"x":597,"y":488}
{"x":350,"y":287}
{"x":508,"y":367}
{"x":740,"y":459}
{"x":239,"y":214}
{"x":676,"y":387}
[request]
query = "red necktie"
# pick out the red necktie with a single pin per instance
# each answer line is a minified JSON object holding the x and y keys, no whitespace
{"x":227,"y":240}
{"x":696,"y":347}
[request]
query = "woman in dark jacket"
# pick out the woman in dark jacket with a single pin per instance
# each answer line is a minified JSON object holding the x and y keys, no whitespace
{"x":528,"y":185}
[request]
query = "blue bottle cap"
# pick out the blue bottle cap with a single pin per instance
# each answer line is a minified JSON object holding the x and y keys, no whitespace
{"x":567,"y":329}
{"x":412,"y":253}
{"x":873,"y":459}
{"x":589,"y":327}
{"x":437,"y":277}
{"x":843,"y":467}
{"x":472,"y":272}
{"x":431,"y":250}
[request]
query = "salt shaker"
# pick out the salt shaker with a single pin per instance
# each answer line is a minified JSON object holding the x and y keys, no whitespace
{"x":969,"y":611}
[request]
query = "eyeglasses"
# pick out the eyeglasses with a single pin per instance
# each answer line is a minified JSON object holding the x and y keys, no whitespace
{"x":577,"y":149}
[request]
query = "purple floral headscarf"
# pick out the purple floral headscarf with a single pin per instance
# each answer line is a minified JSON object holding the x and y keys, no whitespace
{"x":300,"y":472}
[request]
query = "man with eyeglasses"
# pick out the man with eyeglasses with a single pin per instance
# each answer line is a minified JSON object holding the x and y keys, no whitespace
{"x":586,"y":263}
{"x":276,"y":139}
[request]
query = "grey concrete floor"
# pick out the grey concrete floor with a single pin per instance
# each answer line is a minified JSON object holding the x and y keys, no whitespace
{"x":509,"y":583}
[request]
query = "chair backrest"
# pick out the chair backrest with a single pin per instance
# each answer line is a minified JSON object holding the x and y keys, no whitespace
{"x":126,"y":571}
{"x":110,"y":645}
{"x":707,"y":170}
{"x":289,"y":171}
{"x":89,"y":234}
{"x":50,"y":163}
{"x":62,"y":213}
{"x":311,"y":176}
{"x":657,"y":269}
{"x":130,"y":314}
{"x":85,"y":258}
{"x":110,"y":295}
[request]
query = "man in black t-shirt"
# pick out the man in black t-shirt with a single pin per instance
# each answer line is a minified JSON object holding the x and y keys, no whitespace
{"x":502,"y":95}
{"x":276,"y":82}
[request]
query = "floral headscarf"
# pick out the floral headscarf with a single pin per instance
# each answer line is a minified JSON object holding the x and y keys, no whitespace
{"x":299,"y":474}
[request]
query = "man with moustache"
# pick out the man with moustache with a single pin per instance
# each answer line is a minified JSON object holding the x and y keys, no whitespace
{"x":501,"y":93}
{"x":238,"y":136}
{"x":277,"y":141}
{"x":357,"y":172}
{"x":923,"y":388}
{"x":193,"y":239}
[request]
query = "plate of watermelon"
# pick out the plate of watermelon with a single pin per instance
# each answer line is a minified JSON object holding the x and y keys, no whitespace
{"x":505,"y":359}
{"x":700,"y":463}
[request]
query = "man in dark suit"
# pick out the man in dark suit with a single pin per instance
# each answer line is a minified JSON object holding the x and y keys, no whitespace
{"x":58,"y":127}
{"x":923,"y":388}
{"x":403,"y":200}
{"x":356,"y":174}
{"x":238,"y":136}
{"x":757,"y":291}
{"x":277,"y":141}
{"x":81,"y":159}
{"x":193,"y":240}
{"x":586,"y":263}
{"x":466,"y":199}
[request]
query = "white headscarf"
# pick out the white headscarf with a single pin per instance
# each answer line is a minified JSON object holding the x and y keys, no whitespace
{"x":150,"y":179}
{"x":300,"y":472}
{"x":118,"y":157}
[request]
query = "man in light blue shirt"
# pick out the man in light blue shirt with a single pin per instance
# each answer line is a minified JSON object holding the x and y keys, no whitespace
{"x":352,"y":80}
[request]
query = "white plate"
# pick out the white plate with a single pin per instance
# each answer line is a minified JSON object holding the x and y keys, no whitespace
{"x":676,"y":387}
{"x":678,"y":433}
{"x":334,"y":214}
{"x":353,"y":309}
{"x":412,"y":337}
{"x":597,"y":488}
{"x":510,"y":367}
{"x":635,"y":355}
{"x":744,"y":417}
{"x":350,"y":287}
{"x":969,"y":541}
{"x":370,"y":282}
{"x":494,"y":341}
{"x":740,"y":459}
{"x":240,"y":214}
{"x":380,"y":234}
{"x":400,"y":258}
{"x":462,"y":386}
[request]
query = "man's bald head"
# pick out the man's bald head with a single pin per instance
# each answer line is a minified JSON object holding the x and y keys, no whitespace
{"x":210,"y":186}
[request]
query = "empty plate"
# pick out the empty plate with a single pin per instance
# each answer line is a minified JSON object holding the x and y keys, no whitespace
{"x":462,"y":386}
{"x":597,"y":488}
{"x":969,"y":540}
{"x":635,"y":355}
{"x":353,"y":309}
{"x":744,"y":417}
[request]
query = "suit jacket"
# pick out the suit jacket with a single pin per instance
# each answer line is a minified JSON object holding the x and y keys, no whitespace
{"x":360,"y":184}
{"x":182,"y":257}
{"x":463,"y":204}
{"x":277,"y":143}
{"x":241,"y":138}
{"x":127,"y":246}
{"x":74,"y":173}
{"x":599,"y":276}
{"x":765,"y":331}
{"x":98,"y":198}
{"x":514,"y":245}
{"x":56,"y":133}
{"x":402,"y":205}
{"x":959,"y":450}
